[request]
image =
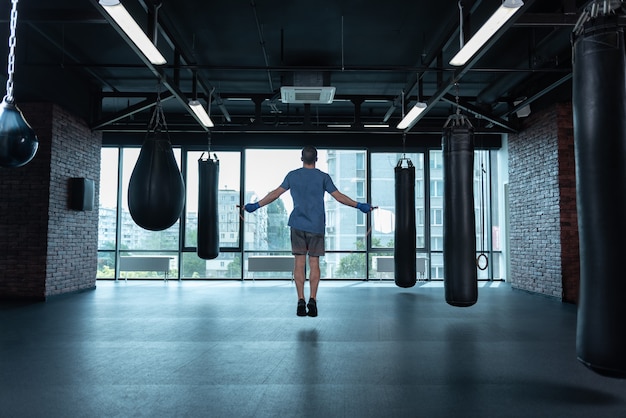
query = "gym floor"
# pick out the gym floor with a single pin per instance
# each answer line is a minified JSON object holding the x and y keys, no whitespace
{"x":237,"y":349}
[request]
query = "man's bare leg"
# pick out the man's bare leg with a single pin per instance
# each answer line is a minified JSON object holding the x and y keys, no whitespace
{"x":314,"y":275}
{"x":298,"y":274}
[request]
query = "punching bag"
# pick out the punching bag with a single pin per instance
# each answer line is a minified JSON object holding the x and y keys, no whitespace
{"x":405,"y":269}
{"x":599,"y":104}
{"x":208,"y":219}
{"x":18,"y":141}
{"x":459,"y":225}
{"x":156,"y":192}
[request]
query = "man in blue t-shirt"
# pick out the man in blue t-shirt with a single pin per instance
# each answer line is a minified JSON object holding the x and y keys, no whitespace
{"x":307,"y":221}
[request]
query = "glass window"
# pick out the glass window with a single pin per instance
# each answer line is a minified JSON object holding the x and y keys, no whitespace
{"x":360,"y":189}
{"x":107,"y":218}
{"x":383,"y":195}
{"x":227,"y":265}
{"x":228,"y":198}
{"x":360,"y":164}
{"x":436,"y":266}
{"x":436,"y":216}
{"x":133,"y":237}
{"x":107,"y":213}
{"x":360,"y":218}
{"x":266,"y":232}
{"x":267,"y":229}
{"x":344,"y":265}
{"x":436,"y":160}
{"x":436,"y":188}
{"x":349,"y":225}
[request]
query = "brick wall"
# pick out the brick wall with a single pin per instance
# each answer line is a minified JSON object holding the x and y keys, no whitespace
{"x":45,"y":247}
{"x":542,"y":205}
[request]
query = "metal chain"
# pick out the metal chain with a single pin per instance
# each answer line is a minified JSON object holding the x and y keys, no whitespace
{"x":458,"y":119}
{"x":458,"y":107}
{"x":157,"y":122}
{"x":11,"y":61}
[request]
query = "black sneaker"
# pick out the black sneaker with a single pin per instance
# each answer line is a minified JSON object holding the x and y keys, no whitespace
{"x":312,"y":305}
{"x":301,"y":308}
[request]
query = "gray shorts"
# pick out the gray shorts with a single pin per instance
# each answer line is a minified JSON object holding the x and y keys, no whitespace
{"x":303,"y":243}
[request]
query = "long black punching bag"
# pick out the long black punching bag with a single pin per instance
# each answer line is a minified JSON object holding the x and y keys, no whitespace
{"x":405,"y":269}
{"x":208,"y":219}
{"x":156,"y":192}
{"x":599,"y":103}
{"x":459,"y":225}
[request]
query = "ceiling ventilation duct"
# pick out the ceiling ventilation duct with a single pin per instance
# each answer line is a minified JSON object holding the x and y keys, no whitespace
{"x":307,"y":87}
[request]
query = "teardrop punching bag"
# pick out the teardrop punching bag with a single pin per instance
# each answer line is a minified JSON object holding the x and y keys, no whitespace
{"x":405,"y":269}
{"x":18,"y":142}
{"x":208,"y":225}
{"x":459,"y":224}
{"x":156,"y":192}
{"x":599,"y":104}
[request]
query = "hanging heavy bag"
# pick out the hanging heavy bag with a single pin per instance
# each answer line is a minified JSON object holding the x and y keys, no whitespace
{"x":156,"y":192}
{"x":599,"y":97}
{"x":405,"y":269}
{"x":208,"y":215}
{"x":459,"y":225}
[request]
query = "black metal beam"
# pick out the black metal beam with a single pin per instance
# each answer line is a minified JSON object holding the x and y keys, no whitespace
{"x":130,"y":110}
{"x":480,"y":113}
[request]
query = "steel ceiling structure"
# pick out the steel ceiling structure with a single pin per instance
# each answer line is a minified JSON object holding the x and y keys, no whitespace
{"x":236,"y":54}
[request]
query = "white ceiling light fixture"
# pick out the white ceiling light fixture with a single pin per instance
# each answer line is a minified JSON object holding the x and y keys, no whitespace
{"x":495,"y":22}
{"x":120,"y":15}
{"x":201,"y":113}
{"x":412,"y":115}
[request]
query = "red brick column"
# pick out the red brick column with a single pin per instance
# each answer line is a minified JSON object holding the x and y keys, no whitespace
{"x":570,"y":256}
{"x":544,"y":255}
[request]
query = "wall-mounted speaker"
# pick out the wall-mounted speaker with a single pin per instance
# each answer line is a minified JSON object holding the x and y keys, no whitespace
{"x":81,"y":193}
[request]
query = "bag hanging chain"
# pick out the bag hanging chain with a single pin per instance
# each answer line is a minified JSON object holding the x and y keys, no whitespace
{"x":157,"y":121}
{"x":11,"y":61}
{"x":593,"y":10}
{"x":458,"y":120}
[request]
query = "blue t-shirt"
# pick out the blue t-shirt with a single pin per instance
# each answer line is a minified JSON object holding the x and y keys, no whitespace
{"x":307,"y":186}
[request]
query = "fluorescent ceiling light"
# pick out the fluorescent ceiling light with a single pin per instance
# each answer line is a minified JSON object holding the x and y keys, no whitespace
{"x":495,"y":22}
{"x":412,"y":115}
{"x":201,"y":113}
{"x":125,"y":21}
{"x":375,"y":125}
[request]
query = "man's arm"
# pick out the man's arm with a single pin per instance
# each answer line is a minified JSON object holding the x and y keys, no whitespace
{"x":342,"y":198}
{"x":271,"y":196}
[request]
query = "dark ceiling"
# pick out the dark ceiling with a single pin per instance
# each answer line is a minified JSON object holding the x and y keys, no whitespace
{"x":240,"y":52}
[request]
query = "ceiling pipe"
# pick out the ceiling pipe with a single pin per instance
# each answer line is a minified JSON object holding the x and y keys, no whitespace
{"x":262,"y":42}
